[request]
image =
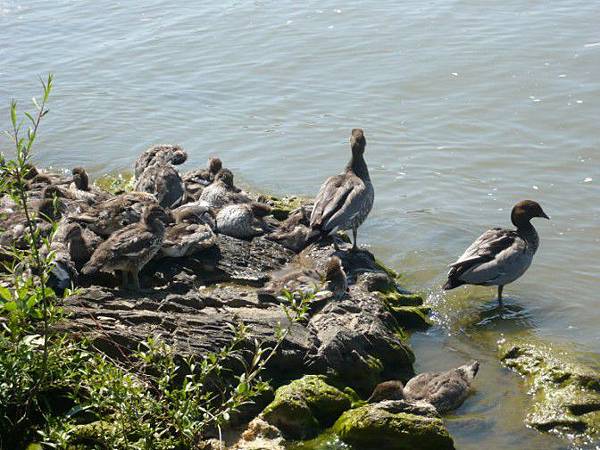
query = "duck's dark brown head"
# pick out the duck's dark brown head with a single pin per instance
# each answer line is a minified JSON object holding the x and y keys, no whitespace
{"x":358,"y":141}
{"x":524,"y":211}
{"x":154,"y":216}
{"x":226,"y":176}
{"x":52,"y":191}
{"x":81,"y":179}
{"x":30,"y":172}
{"x":260,"y":209}
{"x":73,"y":232}
{"x":388,"y":390}
{"x":179,"y":155}
{"x":214,"y":165}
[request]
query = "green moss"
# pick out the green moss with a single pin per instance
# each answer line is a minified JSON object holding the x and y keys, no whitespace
{"x":283,"y":206}
{"x":394,"y":298}
{"x":391,"y":272}
{"x":564,"y":391}
{"x":412,"y":317}
{"x":370,"y":427}
{"x":305,"y":406}
{"x":92,"y":433}
{"x":116,"y":183}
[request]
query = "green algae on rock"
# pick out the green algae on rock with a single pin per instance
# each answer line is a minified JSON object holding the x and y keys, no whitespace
{"x":393,"y":425}
{"x":116,"y":183}
{"x":306,"y":406}
{"x":412,"y":317}
{"x":566,"y":393}
{"x":283,"y":206}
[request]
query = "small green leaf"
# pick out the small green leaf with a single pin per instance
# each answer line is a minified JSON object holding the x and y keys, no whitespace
{"x":5,"y":293}
{"x":10,"y":306}
{"x":13,"y":113}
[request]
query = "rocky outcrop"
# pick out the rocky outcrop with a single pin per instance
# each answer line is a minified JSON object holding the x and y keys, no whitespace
{"x":565,"y":393}
{"x":305,"y":407}
{"x":394,"y":425}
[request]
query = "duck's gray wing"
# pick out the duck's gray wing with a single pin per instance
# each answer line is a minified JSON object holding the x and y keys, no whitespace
{"x":485,"y":248}
{"x":417,"y":387}
{"x":337,"y":202}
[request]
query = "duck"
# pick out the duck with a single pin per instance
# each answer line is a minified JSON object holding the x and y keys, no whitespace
{"x":293,"y":232}
{"x":196,"y":180}
{"x":164,"y":182}
{"x":499,"y":256}
{"x":196,"y":210}
{"x":111,"y":215}
{"x":130,"y":248}
{"x":445,"y":391}
{"x":81,"y":189}
{"x":307,"y":281}
{"x":162,"y":154}
{"x":345,"y":200}
{"x":80,"y":243}
{"x":190,"y":234}
{"x":222,"y":192}
{"x":244,"y":220}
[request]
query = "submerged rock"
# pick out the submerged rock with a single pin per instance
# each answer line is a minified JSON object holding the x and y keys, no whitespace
{"x":566,"y":393}
{"x":394,"y":425}
{"x":306,"y":406}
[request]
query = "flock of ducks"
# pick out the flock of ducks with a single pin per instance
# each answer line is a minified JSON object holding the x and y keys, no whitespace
{"x":170,"y":215}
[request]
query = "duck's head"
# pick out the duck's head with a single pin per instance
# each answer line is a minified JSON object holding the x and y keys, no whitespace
{"x":73,"y":232}
{"x":154,"y":214}
{"x":260,"y":209}
{"x":214,"y":165}
{"x":526,"y":210}
{"x":179,"y":155}
{"x":358,"y":141}
{"x":226,"y":176}
{"x":195,"y":214}
{"x":470,"y":370}
{"x":81,"y":179}
{"x":388,"y":390}
{"x":334,"y":268}
{"x":52,"y":191}
{"x":30,"y":172}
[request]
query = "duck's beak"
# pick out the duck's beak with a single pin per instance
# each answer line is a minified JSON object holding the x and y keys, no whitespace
{"x":544,"y":215}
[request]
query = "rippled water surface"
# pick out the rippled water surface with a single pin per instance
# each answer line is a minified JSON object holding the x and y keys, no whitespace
{"x":467,"y":106}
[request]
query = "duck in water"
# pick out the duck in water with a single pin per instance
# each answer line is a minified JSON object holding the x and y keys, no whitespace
{"x":345,"y":200}
{"x":130,"y":248}
{"x":446,"y":391}
{"x":499,"y":256}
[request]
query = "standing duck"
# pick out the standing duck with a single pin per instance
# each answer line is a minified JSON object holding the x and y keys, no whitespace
{"x":345,"y":200}
{"x":131,"y":248}
{"x":162,"y":154}
{"x":499,"y":256}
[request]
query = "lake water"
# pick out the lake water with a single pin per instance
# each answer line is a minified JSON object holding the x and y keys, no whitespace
{"x":467,"y":107}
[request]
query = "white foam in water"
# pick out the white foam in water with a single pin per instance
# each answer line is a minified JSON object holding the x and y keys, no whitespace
{"x":587,"y":180}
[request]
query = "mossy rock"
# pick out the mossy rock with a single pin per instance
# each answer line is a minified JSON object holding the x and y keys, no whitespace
{"x":372,"y":427}
{"x":391,"y":272}
{"x":565,"y":392}
{"x":116,"y":183}
{"x":305,"y":406}
{"x":412,"y":317}
{"x":283,"y":206}
{"x":93,"y":433}
{"x":394,"y":298}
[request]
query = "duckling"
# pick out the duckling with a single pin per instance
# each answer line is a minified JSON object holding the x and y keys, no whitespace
{"x":164,"y":182}
{"x":222,"y":191}
{"x":499,"y":256}
{"x":293,"y":232}
{"x":344,"y":201}
{"x":243,"y":221}
{"x":163,"y":154}
{"x":81,"y":243}
{"x":198,"y":211}
{"x":81,"y":189}
{"x":131,"y":248}
{"x":196,"y":180}
{"x":190,"y":234}
{"x":307,"y":281}
{"x":111,"y":215}
{"x":446,"y":391}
